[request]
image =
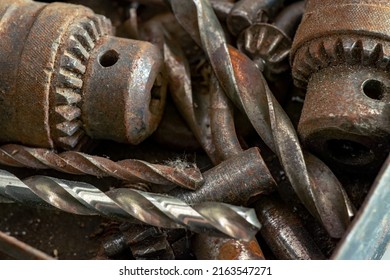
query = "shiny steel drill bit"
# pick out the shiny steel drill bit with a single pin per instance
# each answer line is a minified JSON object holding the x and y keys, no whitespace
{"x":248,"y":90}
{"x":129,"y":170}
{"x":131,"y":205}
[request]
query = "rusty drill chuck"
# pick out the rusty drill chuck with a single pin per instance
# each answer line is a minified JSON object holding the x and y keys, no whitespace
{"x":341,"y":53}
{"x":63,"y":76}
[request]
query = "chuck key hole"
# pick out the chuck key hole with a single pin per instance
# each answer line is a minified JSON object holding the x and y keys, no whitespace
{"x":374,"y":89}
{"x":109,"y":58}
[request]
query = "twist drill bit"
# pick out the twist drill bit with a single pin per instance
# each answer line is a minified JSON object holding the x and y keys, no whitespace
{"x":129,"y":170}
{"x":248,"y":90}
{"x":285,"y":234}
{"x":131,"y":205}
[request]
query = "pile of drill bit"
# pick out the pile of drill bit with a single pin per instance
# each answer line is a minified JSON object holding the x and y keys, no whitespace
{"x":174,"y":129}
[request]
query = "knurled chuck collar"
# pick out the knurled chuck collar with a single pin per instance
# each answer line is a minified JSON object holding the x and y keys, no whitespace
{"x":63,"y":76}
{"x":341,"y":54}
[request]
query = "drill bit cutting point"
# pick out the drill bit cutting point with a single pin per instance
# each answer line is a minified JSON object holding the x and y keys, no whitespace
{"x":129,"y":170}
{"x":131,"y":205}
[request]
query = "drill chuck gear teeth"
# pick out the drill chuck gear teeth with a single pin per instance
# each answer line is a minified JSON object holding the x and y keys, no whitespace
{"x":60,"y":66}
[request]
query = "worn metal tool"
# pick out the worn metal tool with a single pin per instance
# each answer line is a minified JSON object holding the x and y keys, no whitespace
{"x":268,"y":45}
{"x":198,"y":118}
{"x":237,"y":180}
{"x":131,"y":205}
{"x":129,"y":170}
{"x":250,"y":93}
{"x":341,"y":53}
{"x":208,"y":247}
{"x":369,"y":234}
{"x":284,"y":233}
{"x":145,"y":242}
{"x":244,"y":13}
{"x":63,"y":75}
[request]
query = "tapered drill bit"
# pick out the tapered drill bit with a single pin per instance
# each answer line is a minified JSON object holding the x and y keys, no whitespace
{"x":131,"y":205}
{"x":129,"y":170}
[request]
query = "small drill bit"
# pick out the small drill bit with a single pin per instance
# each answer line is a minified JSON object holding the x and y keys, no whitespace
{"x":129,"y":170}
{"x":131,"y":205}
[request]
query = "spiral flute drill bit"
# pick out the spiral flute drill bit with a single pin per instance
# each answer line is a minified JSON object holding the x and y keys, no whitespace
{"x":130,"y":205}
{"x":129,"y":170}
{"x":249,"y":92}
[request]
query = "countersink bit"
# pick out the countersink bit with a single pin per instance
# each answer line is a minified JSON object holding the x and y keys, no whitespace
{"x":129,"y":170}
{"x":341,"y":54}
{"x":245,"y":85}
{"x":64,"y":76}
{"x":159,"y":210}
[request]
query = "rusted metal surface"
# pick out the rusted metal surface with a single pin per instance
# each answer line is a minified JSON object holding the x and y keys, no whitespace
{"x":235,"y":180}
{"x":217,"y":90}
{"x":247,"y":12}
{"x":53,"y":99}
{"x":269,"y":44}
{"x":132,"y":171}
{"x":250,"y":93}
{"x":284,"y":232}
{"x":144,"y":243}
{"x":214,"y":248}
{"x":344,"y":65}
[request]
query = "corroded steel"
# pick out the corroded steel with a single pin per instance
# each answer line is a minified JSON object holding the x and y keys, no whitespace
{"x":341,"y":53}
{"x":64,"y":75}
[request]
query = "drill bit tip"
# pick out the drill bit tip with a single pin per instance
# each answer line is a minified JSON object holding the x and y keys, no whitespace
{"x":131,"y":205}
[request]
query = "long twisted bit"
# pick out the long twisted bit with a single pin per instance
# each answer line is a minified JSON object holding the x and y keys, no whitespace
{"x":129,"y":170}
{"x":247,"y":88}
{"x":130,"y":205}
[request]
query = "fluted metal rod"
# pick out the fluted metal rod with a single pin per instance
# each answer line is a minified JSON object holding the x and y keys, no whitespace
{"x":131,"y":205}
{"x":129,"y":170}
{"x":247,"y":88}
